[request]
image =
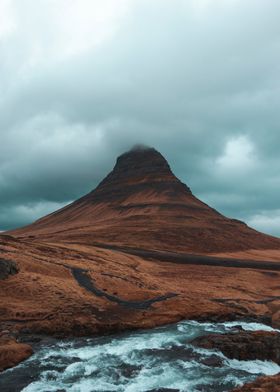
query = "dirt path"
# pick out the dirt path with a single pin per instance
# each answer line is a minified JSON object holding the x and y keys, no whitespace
{"x":184,"y":258}
{"x":84,"y":280}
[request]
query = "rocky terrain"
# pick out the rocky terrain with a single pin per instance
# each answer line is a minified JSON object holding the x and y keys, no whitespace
{"x":138,"y":251}
{"x":12,"y":352}
{"x":244,"y":345}
{"x":262,"y":384}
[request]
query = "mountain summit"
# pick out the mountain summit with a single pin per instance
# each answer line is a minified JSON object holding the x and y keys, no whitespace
{"x":140,"y":169}
{"x":142,"y":204}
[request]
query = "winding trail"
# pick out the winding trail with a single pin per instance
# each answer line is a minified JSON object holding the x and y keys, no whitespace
{"x":86,"y":282}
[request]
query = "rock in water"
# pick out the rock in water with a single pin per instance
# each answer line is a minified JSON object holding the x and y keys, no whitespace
{"x":244,"y":345}
{"x":262,"y":384}
{"x":12,"y":352}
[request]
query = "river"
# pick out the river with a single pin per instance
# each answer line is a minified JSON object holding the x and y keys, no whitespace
{"x":161,"y":359}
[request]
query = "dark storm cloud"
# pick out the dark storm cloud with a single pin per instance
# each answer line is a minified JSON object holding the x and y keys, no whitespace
{"x":198,"y":80}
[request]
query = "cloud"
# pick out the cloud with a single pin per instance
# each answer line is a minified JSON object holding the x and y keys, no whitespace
{"x":82,"y":81}
{"x":29,"y":212}
{"x":7,"y":22}
{"x":267,"y":221}
{"x":238,"y":156}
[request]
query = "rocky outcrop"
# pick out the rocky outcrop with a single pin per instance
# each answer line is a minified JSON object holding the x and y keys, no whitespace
{"x":7,"y":268}
{"x":244,"y":345}
{"x":262,"y":384}
{"x":12,"y":352}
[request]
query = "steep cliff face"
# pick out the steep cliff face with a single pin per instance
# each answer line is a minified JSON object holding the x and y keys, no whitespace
{"x":142,"y":204}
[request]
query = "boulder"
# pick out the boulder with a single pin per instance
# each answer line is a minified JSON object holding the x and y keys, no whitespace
{"x":262,"y":384}
{"x":7,"y":268}
{"x":12,"y":352}
{"x":244,"y":345}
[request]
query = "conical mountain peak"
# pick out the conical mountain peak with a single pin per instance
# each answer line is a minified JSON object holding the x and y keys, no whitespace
{"x":142,"y":204}
{"x":140,"y":169}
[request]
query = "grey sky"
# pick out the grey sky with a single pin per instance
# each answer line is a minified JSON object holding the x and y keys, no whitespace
{"x":81,"y":81}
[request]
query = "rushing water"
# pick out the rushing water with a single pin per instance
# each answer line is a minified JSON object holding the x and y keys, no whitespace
{"x":161,"y":359}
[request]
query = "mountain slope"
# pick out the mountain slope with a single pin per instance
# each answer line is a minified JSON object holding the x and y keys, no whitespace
{"x":142,"y":204}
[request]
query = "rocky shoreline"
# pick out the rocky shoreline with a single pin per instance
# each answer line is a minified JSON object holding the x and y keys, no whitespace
{"x":262,"y":384}
{"x":13,"y":352}
{"x":245,"y":345}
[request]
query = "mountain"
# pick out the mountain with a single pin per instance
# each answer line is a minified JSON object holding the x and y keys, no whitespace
{"x":141,"y":204}
{"x":138,"y":251}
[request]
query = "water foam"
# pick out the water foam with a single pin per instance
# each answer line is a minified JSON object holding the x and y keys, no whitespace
{"x":141,"y":361}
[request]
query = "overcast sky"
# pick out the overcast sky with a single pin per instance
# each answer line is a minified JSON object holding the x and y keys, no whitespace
{"x":81,"y":81}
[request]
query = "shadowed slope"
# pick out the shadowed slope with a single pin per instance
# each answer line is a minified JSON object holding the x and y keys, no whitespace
{"x":142,"y":204}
